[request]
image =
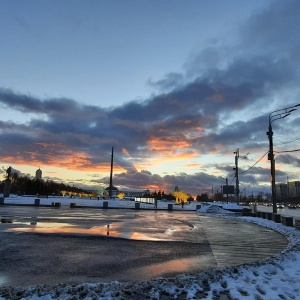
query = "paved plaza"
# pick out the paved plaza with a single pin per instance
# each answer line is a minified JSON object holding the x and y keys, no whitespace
{"x":49,"y":246}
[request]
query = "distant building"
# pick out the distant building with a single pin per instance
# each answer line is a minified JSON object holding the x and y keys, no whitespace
{"x":38,"y":174}
{"x":288,"y":190}
{"x":114,"y":191}
{"x":294,"y":189}
{"x":129,"y":193}
{"x":136,"y":193}
{"x":281,"y":191}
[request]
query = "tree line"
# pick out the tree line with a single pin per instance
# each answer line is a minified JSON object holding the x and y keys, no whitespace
{"x":24,"y":185}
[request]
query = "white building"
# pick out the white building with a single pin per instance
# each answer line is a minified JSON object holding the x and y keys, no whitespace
{"x":38,"y":174}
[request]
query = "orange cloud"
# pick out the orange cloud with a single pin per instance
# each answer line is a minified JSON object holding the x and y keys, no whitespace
{"x":171,"y":156}
{"x":166,"y":144}
{"x":57,"y":155}
{"x":194,"y":165}
{"x":124,"y":150}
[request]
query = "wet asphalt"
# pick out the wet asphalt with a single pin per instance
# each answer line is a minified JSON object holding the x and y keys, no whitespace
{"x":50,"y":246}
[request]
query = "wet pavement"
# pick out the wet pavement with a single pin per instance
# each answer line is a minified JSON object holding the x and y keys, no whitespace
{"x":48,"y":245}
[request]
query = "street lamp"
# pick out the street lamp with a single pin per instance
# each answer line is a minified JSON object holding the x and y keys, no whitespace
{"x":274,"y":116}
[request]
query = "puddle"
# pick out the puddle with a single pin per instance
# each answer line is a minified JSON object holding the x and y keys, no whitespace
{"x":131,"y":226}
{"x":183,"y":265}
{"x":113,"y":230}
{"x":56,"y":227}
{"x":140,"y":236}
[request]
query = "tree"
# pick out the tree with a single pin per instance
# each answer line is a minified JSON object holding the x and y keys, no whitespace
{"x":24,"y":185}
{"x":121,"y":196}
{"x":202,"y":198}
{"x":180,"y":196}
{"x":190,"y":198}
{"x":170,"y":197}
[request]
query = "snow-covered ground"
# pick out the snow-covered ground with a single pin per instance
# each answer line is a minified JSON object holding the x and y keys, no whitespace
{"x":115,"y":202}
{"x":274,"y":278}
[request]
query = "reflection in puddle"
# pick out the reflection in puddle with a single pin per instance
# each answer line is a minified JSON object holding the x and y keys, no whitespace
{"x":183,"y":265}
{"x":53,"y":227}
{"x":144,"y":237}
{"x":133,"y":226}
{"x":117,"y":229}
{"x":113,"y":230}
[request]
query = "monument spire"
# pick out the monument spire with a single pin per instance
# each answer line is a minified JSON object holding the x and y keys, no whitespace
{"x":111,"y":171}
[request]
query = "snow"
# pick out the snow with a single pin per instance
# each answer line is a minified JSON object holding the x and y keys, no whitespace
{"x":214,"y":208}
{"x":115,"y":202}
{"x":277,"y":277}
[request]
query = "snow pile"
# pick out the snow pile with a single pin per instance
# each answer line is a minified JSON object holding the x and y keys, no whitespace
{"x":212,"y":208}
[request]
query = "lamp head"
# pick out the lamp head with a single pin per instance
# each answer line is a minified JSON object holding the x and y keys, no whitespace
{"x":285,"y":115}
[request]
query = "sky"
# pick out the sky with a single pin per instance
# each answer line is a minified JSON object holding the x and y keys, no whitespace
{"x":175,"y":87}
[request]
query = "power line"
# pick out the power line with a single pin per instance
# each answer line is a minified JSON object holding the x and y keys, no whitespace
{"x":288,"y":142}
{"x":233,"y":175}
{"x":255,"y":163}
{"x":287,"y":151}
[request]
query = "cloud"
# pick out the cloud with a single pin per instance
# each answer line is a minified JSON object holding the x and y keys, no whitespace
{"x":273,"y":31}
{"x":170,"y":82}
{"x":289,"y":160}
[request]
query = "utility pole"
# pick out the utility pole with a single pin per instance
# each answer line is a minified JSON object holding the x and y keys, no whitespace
{"x":272,"y":163}
{"x":237,"y":182}
{"x":236,"y":169}
{"x":274,"y":116}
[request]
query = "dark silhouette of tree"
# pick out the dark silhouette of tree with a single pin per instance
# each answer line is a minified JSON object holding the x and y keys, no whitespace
{"x":24,"y":185}
{"x":202,"y":198}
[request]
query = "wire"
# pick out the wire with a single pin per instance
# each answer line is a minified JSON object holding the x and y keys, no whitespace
{"x":255,"y":163}
{"x":288,"y":142}
{"x":287,"y":151}
{"x":232,"y":178}
{"x":296,"y":150}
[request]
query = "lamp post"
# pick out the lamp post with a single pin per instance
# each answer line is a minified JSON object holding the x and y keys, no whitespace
{"x":273,"y":116}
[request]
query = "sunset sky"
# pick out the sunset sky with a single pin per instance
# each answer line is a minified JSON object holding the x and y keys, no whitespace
{"x":174,"y":86}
